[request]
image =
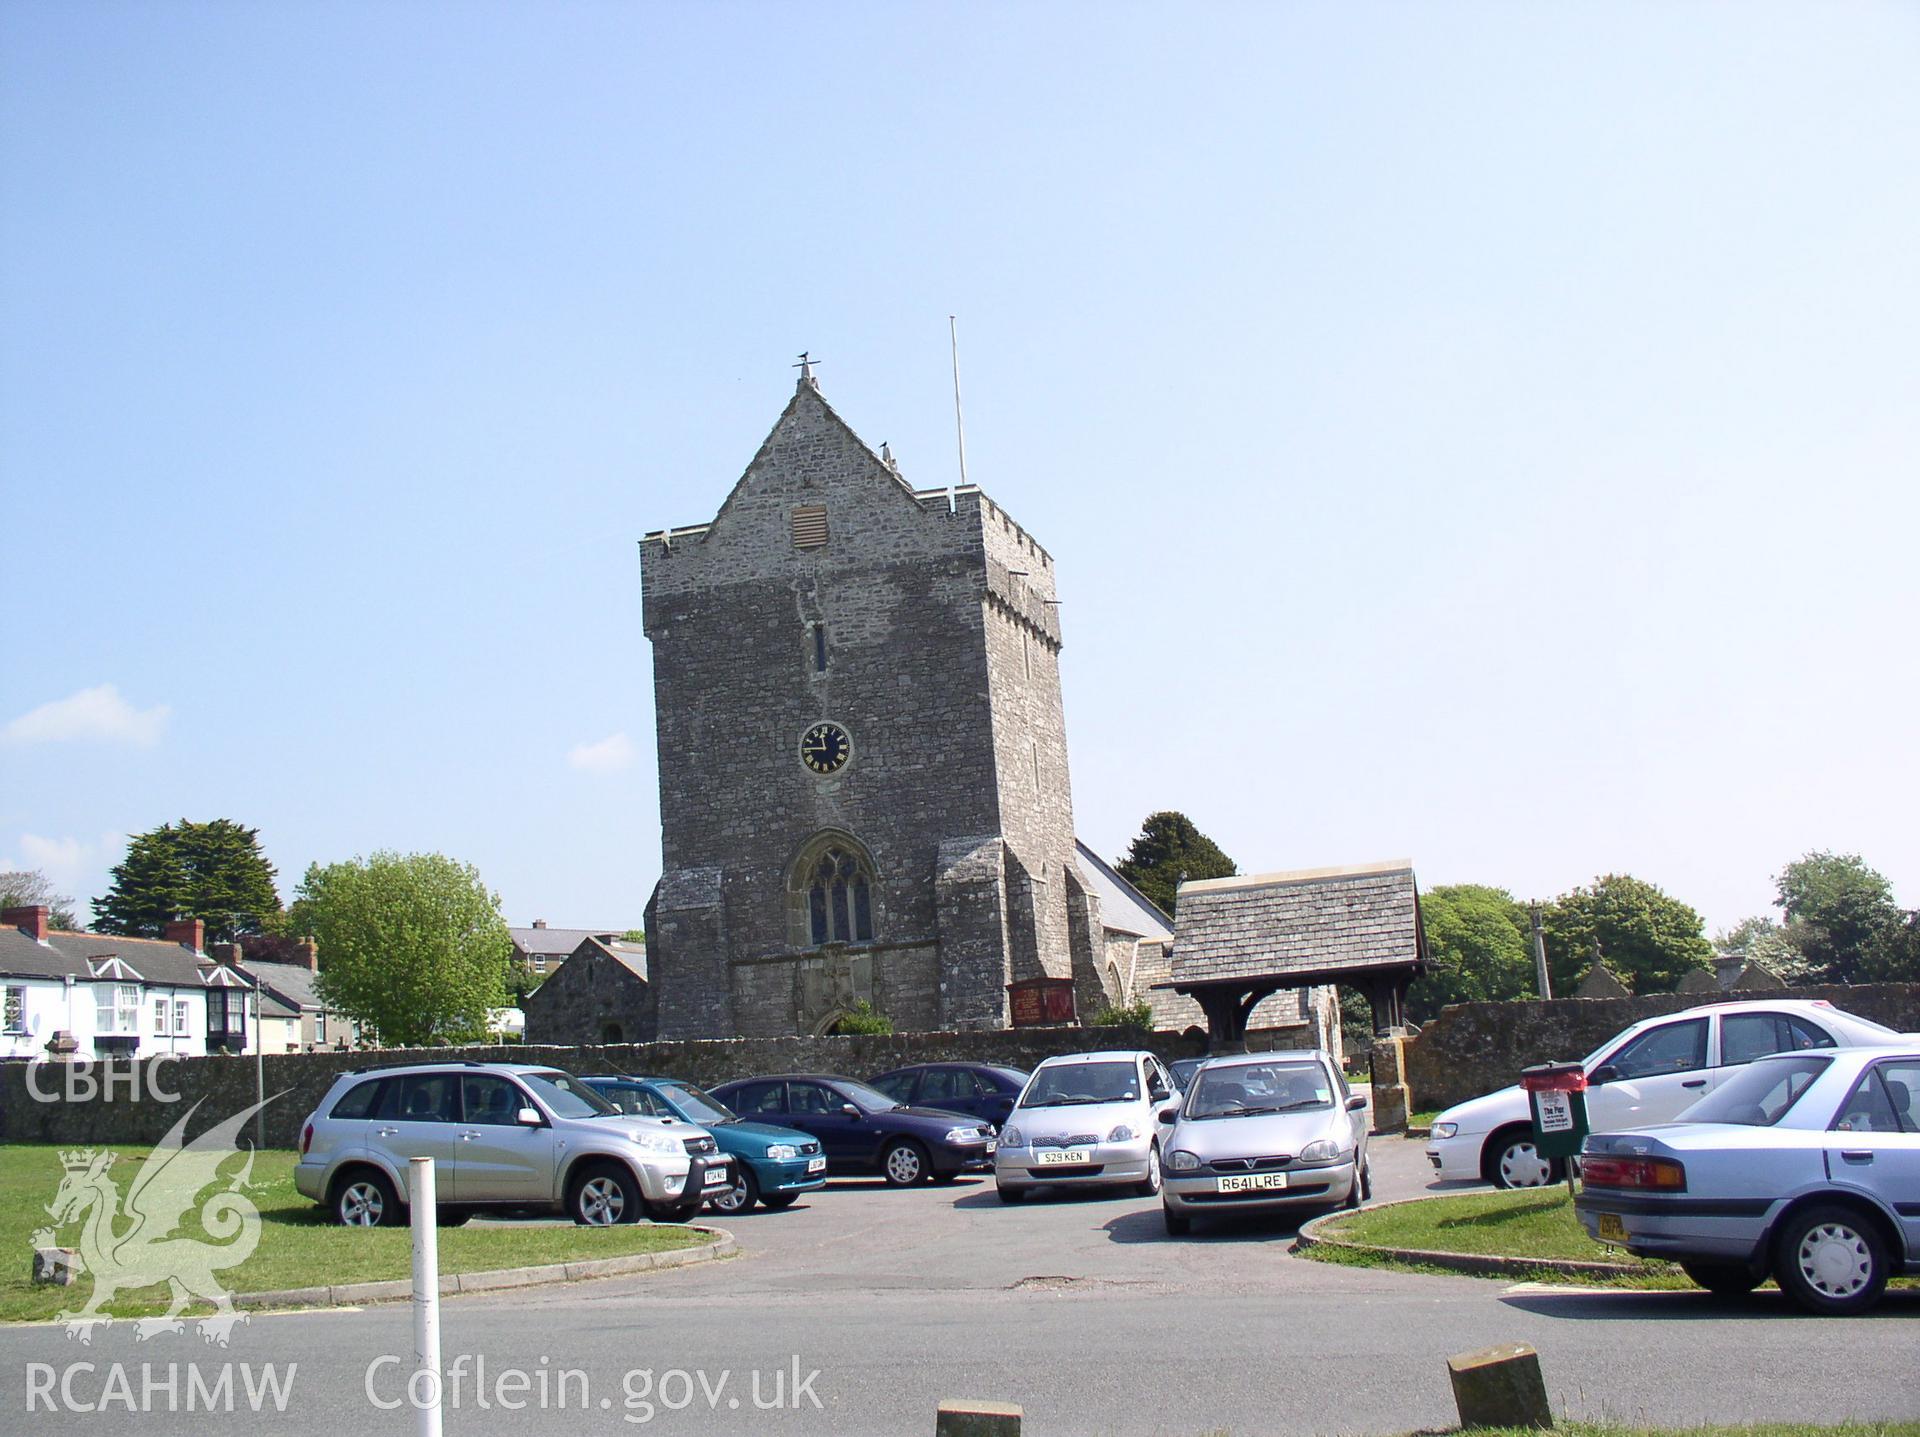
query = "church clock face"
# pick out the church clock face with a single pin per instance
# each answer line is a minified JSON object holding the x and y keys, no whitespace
{"x":825,"y":748}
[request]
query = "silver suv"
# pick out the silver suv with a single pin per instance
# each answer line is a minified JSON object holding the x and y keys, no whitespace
{"x":501,"y":1135}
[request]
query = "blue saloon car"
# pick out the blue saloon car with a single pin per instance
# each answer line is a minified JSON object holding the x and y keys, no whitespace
{"x":865,"y":1130}
{"x":981,"y":1090}
{"x":772,"y":1165}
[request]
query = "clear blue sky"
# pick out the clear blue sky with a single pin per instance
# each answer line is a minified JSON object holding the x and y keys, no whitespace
{"x":1485,"y":433}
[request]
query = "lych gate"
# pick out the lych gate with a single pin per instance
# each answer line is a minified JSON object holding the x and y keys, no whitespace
{"x":1238,"y":941}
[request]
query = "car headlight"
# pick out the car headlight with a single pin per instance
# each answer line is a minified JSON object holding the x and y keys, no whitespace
{"x":1121,"y":1134}
{"x":964,"y":1135}
{"x":661,"y":1143}
{"x":1010,"y":1138}
{"x":1182,"y":1161}
{"x":1444,"y":1130}
{"x":782,"y":1152}
{"x":1320,"y":1150}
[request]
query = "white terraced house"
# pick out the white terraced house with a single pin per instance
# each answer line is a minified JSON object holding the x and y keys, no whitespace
{"x":100,"y":995}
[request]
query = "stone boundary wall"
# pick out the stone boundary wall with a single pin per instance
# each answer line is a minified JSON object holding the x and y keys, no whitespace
{"x":225,"y":1085}
{"x":1474,"y":1048}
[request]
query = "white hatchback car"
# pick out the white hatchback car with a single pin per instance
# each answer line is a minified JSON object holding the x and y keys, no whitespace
{"x":1086,"y":1120}
{"x":1648,"y":1073}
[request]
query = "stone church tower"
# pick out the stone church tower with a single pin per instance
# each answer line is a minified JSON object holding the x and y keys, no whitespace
{"x":863,"y":757}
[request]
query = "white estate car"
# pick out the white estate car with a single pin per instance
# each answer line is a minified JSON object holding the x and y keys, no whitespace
{"x":1648,"y":1073}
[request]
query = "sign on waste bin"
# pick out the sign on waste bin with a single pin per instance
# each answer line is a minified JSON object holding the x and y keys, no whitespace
{"x":1558,"y":1094}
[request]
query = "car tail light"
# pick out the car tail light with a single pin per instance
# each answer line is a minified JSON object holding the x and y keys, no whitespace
{"x":306,"y":1139}
{"x":1659,"y":1174}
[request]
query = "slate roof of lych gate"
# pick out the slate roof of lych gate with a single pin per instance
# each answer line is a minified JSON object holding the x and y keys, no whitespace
{"x":1310,"y":922}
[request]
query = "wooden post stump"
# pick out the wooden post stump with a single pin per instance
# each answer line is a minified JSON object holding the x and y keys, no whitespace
{"x":55,"y":1266}
{"x":977,"y":1419}
{"x":1500,"y":1387}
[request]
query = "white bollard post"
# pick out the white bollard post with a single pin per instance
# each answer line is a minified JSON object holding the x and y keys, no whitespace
{"x":425,"y":1392}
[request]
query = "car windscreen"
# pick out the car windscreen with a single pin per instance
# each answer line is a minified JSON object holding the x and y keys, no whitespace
{"x":566,"y":1096}
{"x":696,"y":1106}
{"x":1761,"y":1093}
{"x":1240,"y":1090}
{"x":1066,"y":1084}
{"x":872,"y":1099}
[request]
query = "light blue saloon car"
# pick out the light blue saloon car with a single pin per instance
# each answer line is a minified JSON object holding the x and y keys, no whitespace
{"x":1804,"y":1166}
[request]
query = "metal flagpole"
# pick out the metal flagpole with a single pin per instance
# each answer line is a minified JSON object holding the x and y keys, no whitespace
{"x":959,"y":423}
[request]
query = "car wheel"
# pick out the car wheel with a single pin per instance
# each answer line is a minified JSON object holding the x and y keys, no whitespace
{"x":941,"y":1177}
{"x":1151,"y":1187}
{"x":903,"y":1164}
{"x":1012,"y":1195}
{"x":1831,"y":1261}
{"x":604,"y":1194}
{"x":367,"y":1199}
{"x":1177,"y":1226}
{"x":739,"y":1198}
{"x":1356,"y":1193}
{"x":1722,"y":1279}
{"x":1366,"y":1183}
{"x":1512,"y":1161}
{"x":453,"y":1216}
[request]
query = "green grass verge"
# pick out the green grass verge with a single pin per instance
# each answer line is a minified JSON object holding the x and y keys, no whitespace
{"x":299,"y":1244}
{"x":1537,"y":1223}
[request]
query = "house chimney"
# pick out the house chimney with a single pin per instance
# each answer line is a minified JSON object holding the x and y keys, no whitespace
{"x":539,"y":923}
{"x":227,"y":955}
{"x":31,"y":921}
{"x":188,"y":932}
{"x":309,"y":950}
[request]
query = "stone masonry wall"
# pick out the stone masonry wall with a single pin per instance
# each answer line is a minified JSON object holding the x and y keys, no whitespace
{"x":224,"y":1086}
{"x":1474,"y":1048}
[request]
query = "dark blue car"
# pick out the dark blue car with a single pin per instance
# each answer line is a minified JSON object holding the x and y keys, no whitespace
{"x":864,"y":1129}
{"x":772,"y":1165}
{"x":978,"y":1089}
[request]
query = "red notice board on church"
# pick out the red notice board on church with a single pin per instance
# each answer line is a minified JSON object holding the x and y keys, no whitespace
{"x":1037,"y":1002}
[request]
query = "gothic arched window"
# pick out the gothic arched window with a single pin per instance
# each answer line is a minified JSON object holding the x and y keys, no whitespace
{"x":832,"y":889}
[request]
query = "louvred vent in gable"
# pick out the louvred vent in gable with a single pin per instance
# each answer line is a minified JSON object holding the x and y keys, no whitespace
{"x":809,"y":526}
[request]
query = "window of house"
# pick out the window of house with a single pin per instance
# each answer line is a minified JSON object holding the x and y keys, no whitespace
{"x":14,"y":1018}
{"x":162,"y":1017}
{"x":227,"y":1012}
{"x":319,"y":1027}
{"x":179,"y":1016}
{"x":116,"y":1008}
{"x":539,"y":963}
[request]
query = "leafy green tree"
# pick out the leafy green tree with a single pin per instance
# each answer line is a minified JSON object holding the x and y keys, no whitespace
{"x":30,"y":888}
{"x":1478,"y":949}
{"x":1651,"y":940}
{"x":1840,"y":913}
{"x":635,"y":935}
{"x":1760,"y":940}
{"x":412,"y":946}
{"x":1895,"y":956}
{"x":1168,"y":850}
{"x":212,"y":871}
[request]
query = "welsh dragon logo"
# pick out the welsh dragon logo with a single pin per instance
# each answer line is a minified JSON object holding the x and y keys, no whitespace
{"x":140,"y":1245}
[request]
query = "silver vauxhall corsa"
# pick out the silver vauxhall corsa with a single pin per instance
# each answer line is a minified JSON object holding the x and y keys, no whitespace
{"x":1265,"y":1131}
{"x":1086,"y":1120}
{"x":501,"y":1135}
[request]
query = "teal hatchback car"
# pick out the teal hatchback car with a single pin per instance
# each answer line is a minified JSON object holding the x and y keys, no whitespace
{"x":771,"y":1165}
